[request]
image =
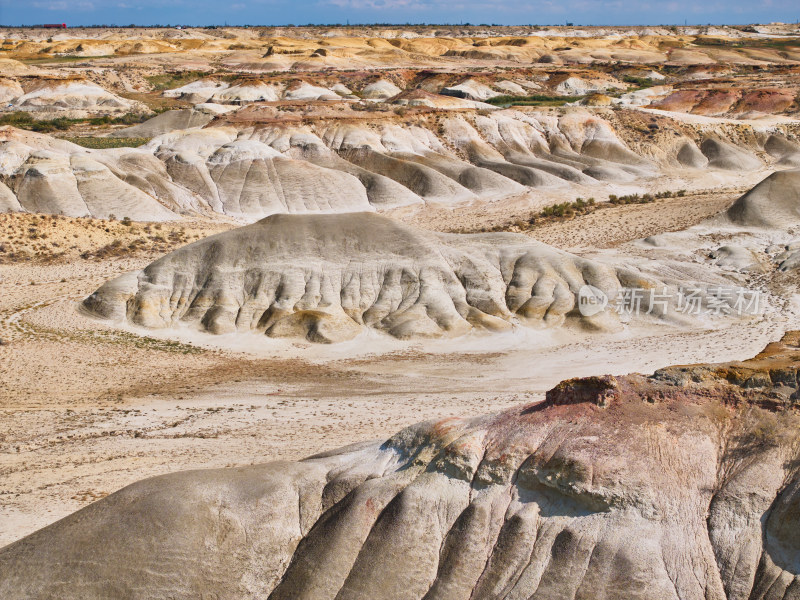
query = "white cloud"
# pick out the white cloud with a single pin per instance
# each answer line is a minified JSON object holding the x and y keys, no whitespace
{"x":466,"y":7}
{"x":63,"y":5}
{"x":381,"y":4}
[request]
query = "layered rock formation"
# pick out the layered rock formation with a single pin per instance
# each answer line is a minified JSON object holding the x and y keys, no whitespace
{"x":250,"y":179}
{"x":774,"y":203}
{"x":70,"y":97}
{"x":727,"y":101}
{"x":682,"y":485}
{"x":172,"y":120}
{"x":249,"y":165}
{"x":327,"y":277}
{"x":317,"y":48}
{"x":43,"y":174}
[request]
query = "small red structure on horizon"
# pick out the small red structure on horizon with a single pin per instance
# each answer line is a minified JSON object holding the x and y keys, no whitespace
{"x":55,"y":26}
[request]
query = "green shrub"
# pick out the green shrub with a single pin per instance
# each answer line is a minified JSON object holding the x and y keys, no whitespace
{"x":631,"y":199}
{"x":24,"y":120}
{"x":565,"y":210}
{"x":97,"y":143}
{"x":535,"y":100}
{"x":168,"y":81}
{"x":639,"y":82}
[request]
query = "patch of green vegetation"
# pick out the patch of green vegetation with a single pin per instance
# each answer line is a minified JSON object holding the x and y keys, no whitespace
{"x":644,"y":198}
{"x":640,"y":82}
{"x":563,"y":210}
{"x":632,"y":199}
{"x":168,"y":81}
{"x":567,"y":209}
{"x":126,"y":119}
{"x":580,"y":207}
{"x":792,"y":43}
{"x":97,"y":143}
{"x":24,"y":120}
{"x":61,"y":59}
{"x":535,"y":100}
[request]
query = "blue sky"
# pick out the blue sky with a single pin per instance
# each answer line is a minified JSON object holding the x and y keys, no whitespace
{"x":301,"y":12}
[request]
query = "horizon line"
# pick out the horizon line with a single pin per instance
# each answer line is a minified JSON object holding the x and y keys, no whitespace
{"x":386,"y":24}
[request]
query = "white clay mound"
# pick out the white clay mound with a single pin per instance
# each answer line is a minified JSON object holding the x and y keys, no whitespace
{"x":327,"y":277}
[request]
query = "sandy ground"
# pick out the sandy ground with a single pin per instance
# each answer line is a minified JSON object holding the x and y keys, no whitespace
{"x":706,"y":194}
{"x":89,"y":408}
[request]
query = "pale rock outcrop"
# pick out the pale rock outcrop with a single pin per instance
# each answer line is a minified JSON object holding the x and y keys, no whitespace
{"x":140,"y":169}
{"x":10,"y":89}
{"x":471,"y":90}
{"x":341,"y":89}
{"x":738,"y":258}
{"x":724,"y":155}
{"x":54,"y":176}
{"x":576,"y":86}
{"x":388,"y":151}
{"x":306,"y":91}
{"x":789,"y":258}
{"x":78,"y":186}
{"x":166,"y":122}
{"x":106,"y":195}
{"x":247,"y":91}
{"x":301,"y":144}
{"x":247,"y":178}
{"x":252,"y":168}
{"x":643,"y":97}
{"x":327,"y":277}
{"x":75,"y":96}
{"x":45,"y":183}
{"x":689,"y":155}
{"x":679,"y":486}
{"x":198,"y":91}
{"x":774,"y":203}
{"x":516,"y":149}
{"x":787,"y":152}
{"x":380,"y":90}
{"x":511,"y":88}
{"x":8,"y":201}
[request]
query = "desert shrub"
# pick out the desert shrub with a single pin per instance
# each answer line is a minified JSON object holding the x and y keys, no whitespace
{"x":24,"y":120}
{"x":105,"y":142}
{"x":639,"y":82}
{"x":565,"y":210}
{"x":534,"y":100}
{"x":631,"y":199}
{"x":167,"y":81}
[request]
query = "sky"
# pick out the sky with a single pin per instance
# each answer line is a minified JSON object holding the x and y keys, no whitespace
{"x":303,"y":12}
